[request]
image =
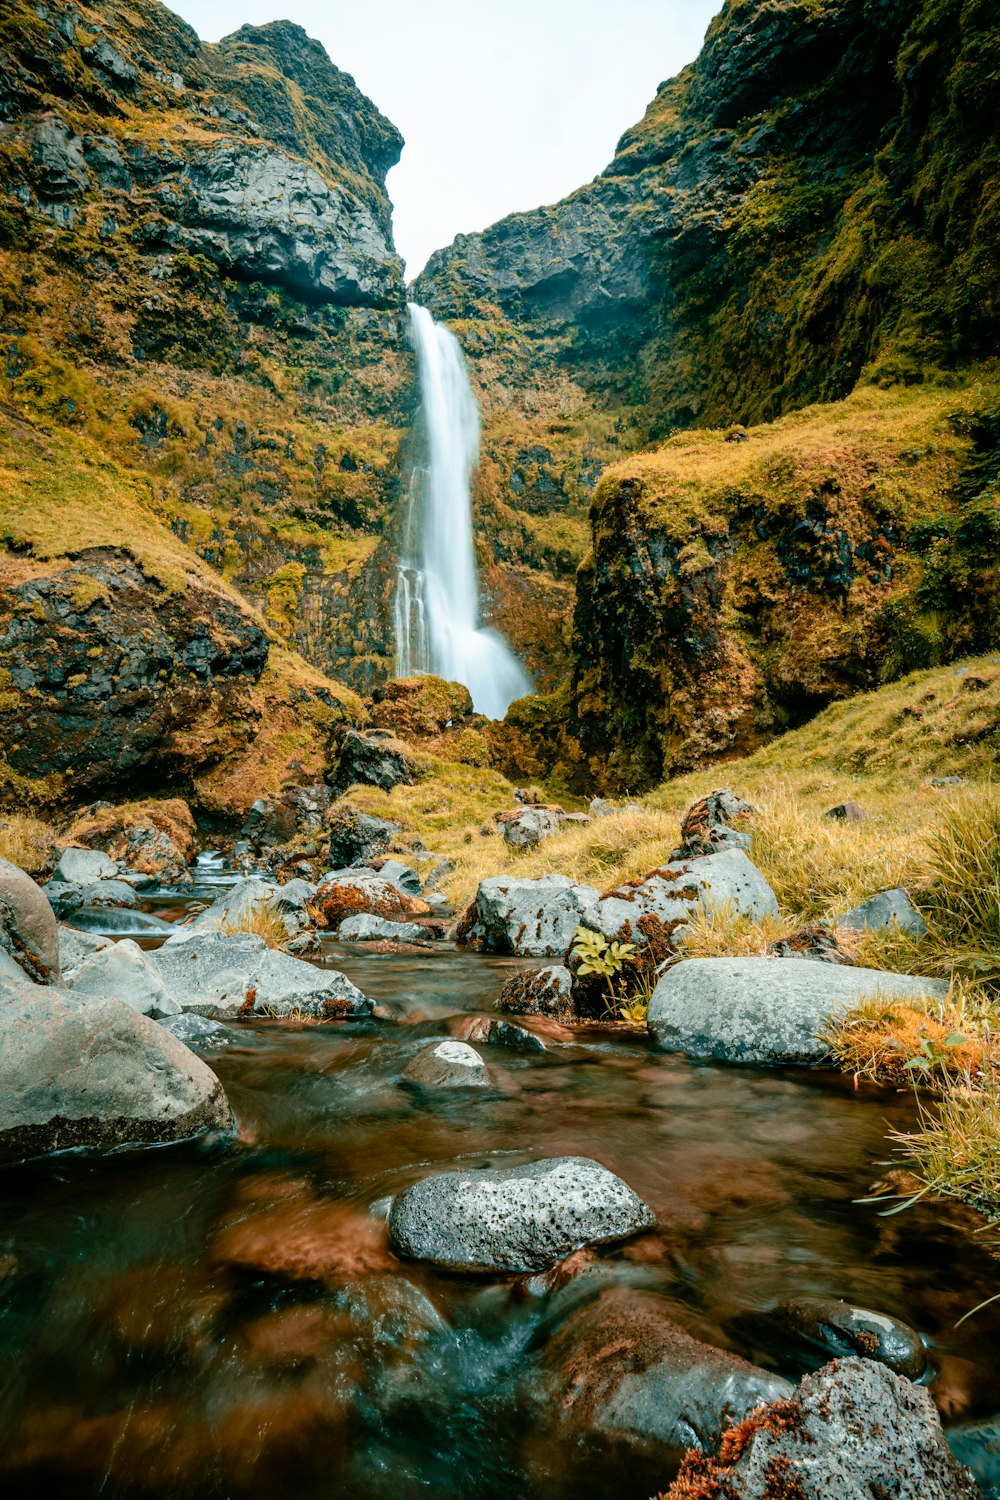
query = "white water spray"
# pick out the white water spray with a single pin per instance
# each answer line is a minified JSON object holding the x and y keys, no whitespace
{"x":436,"y":606}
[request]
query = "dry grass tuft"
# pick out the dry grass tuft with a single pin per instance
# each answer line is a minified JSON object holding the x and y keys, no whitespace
{"x":927,"y":1041}
{"x":955,"y":1149}
{"x":27,"y":842}
{"x":262,"y":922}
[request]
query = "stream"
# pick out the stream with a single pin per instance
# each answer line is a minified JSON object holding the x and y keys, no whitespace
{"x":226,"y":1319}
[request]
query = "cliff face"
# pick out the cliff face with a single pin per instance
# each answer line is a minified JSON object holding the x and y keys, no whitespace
{"x":815,"y":194}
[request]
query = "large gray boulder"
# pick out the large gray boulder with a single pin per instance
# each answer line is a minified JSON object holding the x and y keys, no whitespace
{"x":853,"y":1431}
{"x":668,"y":898}
{"x":75,"y":945}
{"x":515,"y":1218}
{"x":536,"y":918}
{"x":883,"y":912}
{"x":122,"y":971}
{"x":28,"y":928}
{"x":247,"y":899}
{"x":84,"y":866}
{"x":82,"y":1071}
{"x":225,"y":976}
{"x":621,"y":1380}
{"x":764,"y":1010}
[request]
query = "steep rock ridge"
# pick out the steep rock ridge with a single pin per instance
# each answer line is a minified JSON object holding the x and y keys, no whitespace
{"x":815,"y":193}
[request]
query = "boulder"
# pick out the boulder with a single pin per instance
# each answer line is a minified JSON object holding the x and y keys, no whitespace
{"x":714,"y":823}
{"x":154,"y":839}
{"x":365,"y":928}
{"x":846,"y":812}
{"x":528,"y":826}
{"x":854,"y":1429}
{"x":536,"y":918}
{"x":657,"y":909}
{"x":227,"y":976}
{"x":883,"y":912}
{"x":355,"y":838}
{"x":79,"y":1071}
{"x":764,"y":1010}
{"x":244,"y":901}
{"x":538,"y":992}
{"x":404,"y":877}
{"x":75,"y":945}
{"x":123,"y":971}
{"x":84,"y":866}
{"x":622,"y":1380}
{"x":67,"y":899}
{"x":447,"y":1065}
{"x":372,"y":757}
{"x":348,"y":893}
{"x":515,"y":1218}
{"x":836,"y":1328}
{"x":28,"y":928}
{"x":295,"y":813}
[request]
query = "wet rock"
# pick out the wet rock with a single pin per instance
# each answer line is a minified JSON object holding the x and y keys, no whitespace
{"x":883,"y":912}
{"x":536,"y":918}
{"x":84,"y":867}
{"x":846,"y":812}
{"x":282,"y":1227}
{"x":838,"y":1329}
{"x":714,"y":823}
{"x":764,"y":1010}
{"x":365,"y":928}
{"x":349,"y":893}
{"x":93,"y":1072}
{"x":447,"y":1065}
{"x":853,"y":1429}
{"x":815,"y":940}
{"x":539,"y":992}
{"x":197,"y":1031}
{"x":28,"y":929}
{"x":356,"y":838}
{"x":515,"y":1218}
{"x":226,"y":977}
{"x":66,"y":899}
{"x":977,"y":1446}
{"x":622,"y":1380}
{"x":655,"y":910}
{"x":124,"y":972}
{"x":372,"y":758}
{"x":488,"y":1031}
{"x":526,"y":828}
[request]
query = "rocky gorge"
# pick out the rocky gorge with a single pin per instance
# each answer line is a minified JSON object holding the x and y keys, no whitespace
{"x":601,"y":1098}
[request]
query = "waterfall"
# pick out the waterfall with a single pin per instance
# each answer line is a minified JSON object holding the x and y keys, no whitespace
{"x":436,"y":606}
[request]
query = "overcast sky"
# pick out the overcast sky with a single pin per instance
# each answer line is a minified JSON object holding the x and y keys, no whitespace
{"x":504,"y":104}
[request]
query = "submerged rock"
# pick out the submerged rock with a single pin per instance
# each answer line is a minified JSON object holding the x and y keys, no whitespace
{"x":448,"y":1065}
{"x":977,"y":1445}
{"x":488,"y":1031}
{"x":536,"y":918}
{"x":764,"y":1010}
{"x":93,"y":1072}
{"x":515,"y":1218}
{"x":838,"y":1328}
{"x":621,"y":1379}
{"x":539,"y":992}
{"x":123,"y":971}
{"x":226,"y":977}
{"x":197,"y":1031}
{"x":853,"y":1429}
{"x":28,"y":928}
{"x":883,"y":912}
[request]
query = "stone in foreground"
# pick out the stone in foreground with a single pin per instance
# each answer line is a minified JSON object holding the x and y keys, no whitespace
{"x":448,"y":1065}
{"x":28,"y":929}
{"x":621,"y":1379}
{"x":765,"y":1010}
{"x":515,"y":1218}
{"x":883,"y":912}
{"x":853,"y":1431}
{"x":76,"y":1071}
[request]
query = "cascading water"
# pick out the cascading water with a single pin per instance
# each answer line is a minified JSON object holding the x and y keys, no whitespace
{"x":436,"y":607}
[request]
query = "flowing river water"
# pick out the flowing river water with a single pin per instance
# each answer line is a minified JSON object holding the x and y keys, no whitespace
{"x":226,"y":1319}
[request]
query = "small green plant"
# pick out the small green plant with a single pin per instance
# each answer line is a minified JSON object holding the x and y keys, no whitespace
{"x":934,"y":1055}
{"x":595,"y":955}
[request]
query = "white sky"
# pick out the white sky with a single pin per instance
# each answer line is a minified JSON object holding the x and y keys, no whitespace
{"x":504,"y":104}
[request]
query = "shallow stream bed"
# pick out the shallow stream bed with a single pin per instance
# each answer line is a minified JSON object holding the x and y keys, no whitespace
{"x":226,"y":1319}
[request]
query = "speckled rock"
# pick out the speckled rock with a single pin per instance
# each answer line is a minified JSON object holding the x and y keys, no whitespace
{"x":447,"y":1065}
{"x":838,"y":1328}
{"x":124,"y":971}
{"x":223,"y":976}
{"x":853,"y":1431}
{"x":28,"y":928}
{"x":515,"y":1218}
{"x":764,"y":1010}
{"x":78,"y":1071}
{"x":536,"y":918}
{"x":658,"y":907}
{"x":883,"y":912}
{"x":538,"y":992}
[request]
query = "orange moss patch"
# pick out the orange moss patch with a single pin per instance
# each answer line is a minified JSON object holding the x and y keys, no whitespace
{"x":704,"y":1478}
{"x":336,"y":903}
{"x":878,"y":1041}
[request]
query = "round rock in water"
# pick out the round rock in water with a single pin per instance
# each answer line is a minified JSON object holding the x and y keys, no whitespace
{"x":837,"y":1328}
{"x":448,"y":1065}
{"x":515,"y":1218}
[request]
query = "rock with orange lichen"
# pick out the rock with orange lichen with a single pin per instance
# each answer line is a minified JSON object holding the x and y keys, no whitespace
{"x":351,"y":893}
{"x":855,"y":1429}
{"x":155,"y":837}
